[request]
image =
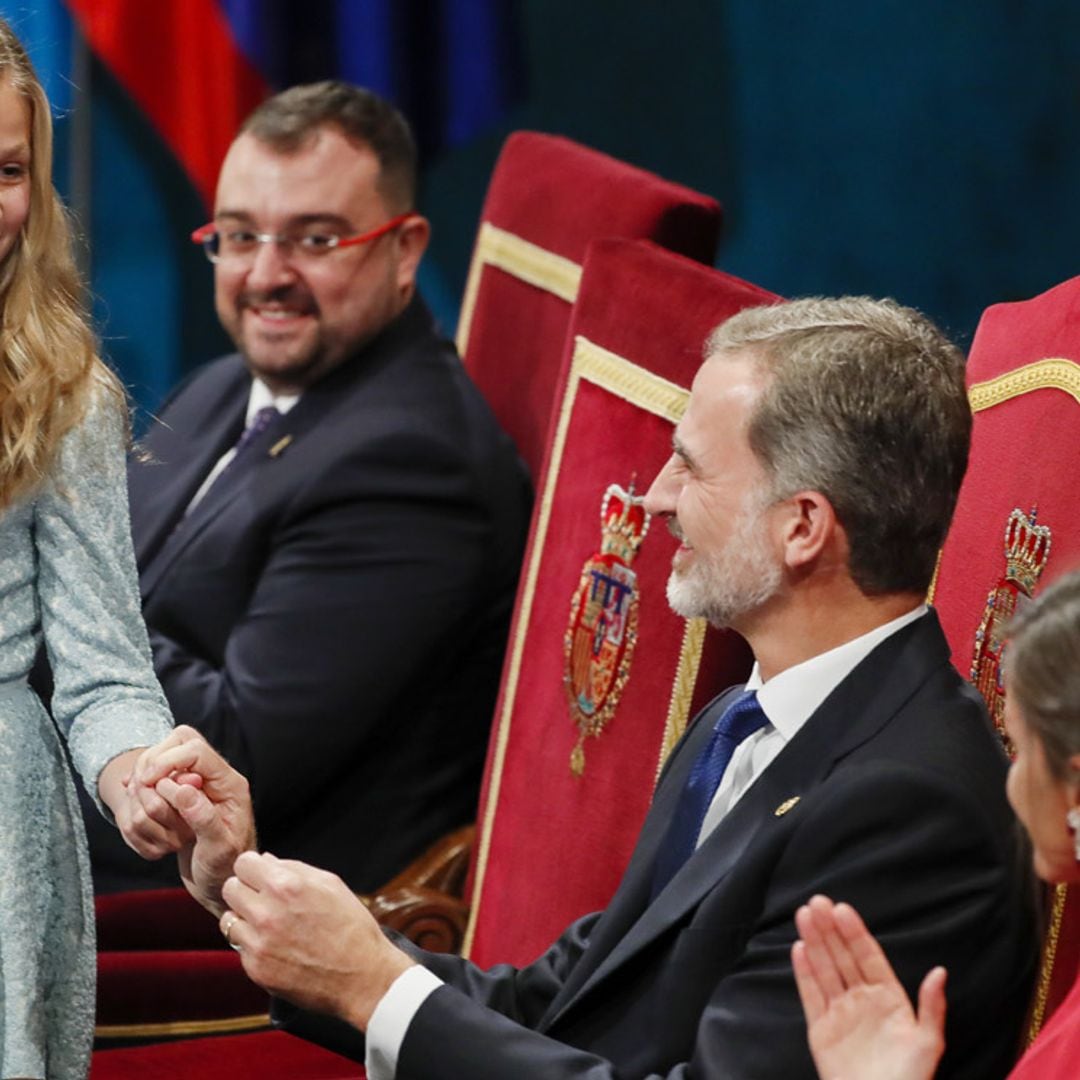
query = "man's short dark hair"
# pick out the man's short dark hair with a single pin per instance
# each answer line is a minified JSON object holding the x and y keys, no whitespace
{"x":290,"y":119}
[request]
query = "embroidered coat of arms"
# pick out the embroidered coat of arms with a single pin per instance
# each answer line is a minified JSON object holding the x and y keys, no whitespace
{"x":600,"y":638}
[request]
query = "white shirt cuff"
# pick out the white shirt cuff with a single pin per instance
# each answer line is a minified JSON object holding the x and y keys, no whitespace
{"x":392,"y":1017}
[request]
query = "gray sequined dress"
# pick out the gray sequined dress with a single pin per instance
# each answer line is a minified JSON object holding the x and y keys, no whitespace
{"x":67,"y":575}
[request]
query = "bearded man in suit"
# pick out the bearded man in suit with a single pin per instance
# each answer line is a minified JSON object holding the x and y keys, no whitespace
{"x":328,"y":522}
{"x":813,"y":477}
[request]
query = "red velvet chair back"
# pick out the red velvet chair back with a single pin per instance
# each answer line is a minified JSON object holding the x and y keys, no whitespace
{"x":593,"y":697}
{"x":547,"y":199}
{"x":1017,"y":523}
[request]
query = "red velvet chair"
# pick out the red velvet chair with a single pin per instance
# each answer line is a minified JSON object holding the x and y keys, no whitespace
{"x":1017,"y":523}
{"x":549,"y":197}
{"x":164,"y":971}
{"x":595,"y":693}
{"x":237,"y":1057}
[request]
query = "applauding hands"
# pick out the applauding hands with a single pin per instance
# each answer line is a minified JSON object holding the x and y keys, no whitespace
{"x":859,"y":1020}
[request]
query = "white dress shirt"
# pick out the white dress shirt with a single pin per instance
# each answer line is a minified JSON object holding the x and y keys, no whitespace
{"x":261,"y":395}
{"x":788,"y":701}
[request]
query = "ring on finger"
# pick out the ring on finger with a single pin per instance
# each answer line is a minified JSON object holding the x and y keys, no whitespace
{"x":232,"y":921}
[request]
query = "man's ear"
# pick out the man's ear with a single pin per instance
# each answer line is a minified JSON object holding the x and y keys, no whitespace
{"x":412,"y":240}
{"x":808,"y":527}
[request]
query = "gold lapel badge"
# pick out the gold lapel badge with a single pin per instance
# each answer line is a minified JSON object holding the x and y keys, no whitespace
{"x":786,"y":805}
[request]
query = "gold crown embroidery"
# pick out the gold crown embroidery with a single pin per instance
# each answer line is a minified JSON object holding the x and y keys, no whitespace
{"x":599,"y":642}
{"x":1027,"y":550}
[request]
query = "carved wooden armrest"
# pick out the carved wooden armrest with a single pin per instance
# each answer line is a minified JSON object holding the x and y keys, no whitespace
{"x":424,"y":902}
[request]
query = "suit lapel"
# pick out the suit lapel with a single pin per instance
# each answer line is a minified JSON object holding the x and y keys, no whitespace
{"x":160,"y":504}
{"x":265,"y":452}
{"x":856,"y":710}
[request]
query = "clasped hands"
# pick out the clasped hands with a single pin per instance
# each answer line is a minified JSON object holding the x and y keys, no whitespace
{"x":301,"y":933}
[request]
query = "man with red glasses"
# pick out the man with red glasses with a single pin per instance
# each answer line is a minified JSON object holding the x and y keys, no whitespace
{"x":329,"y":522}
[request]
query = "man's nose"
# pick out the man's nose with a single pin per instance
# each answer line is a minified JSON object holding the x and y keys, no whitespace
{"x":660,"y":498}
{"x":270,"y":266}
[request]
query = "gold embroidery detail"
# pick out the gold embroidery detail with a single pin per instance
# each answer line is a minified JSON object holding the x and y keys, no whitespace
{"x":682,"y":688}
{"x":521,"y":259}
{"x":1046,"y":968}
{"x":933,"y":580}
{"x":164,"y":1029}
{"x":641,"y":388}
{"x":1051,"y":374}
{"x":624,"y":379}
{"x":1026,"y":549}
{"x":786,"y":805}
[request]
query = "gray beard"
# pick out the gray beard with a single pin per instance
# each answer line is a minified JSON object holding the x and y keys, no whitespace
{"x":723,"y":586}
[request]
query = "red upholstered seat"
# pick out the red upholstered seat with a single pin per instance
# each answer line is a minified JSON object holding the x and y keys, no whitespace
{"x":234,"y":1057}
{"x":154,"y":919}
{"x":1017,"y":523}
{"x":549,"y":197}
{"x":552,"y":843}
{"x":164,"y":971}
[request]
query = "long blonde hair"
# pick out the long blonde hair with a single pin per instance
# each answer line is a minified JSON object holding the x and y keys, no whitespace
{"x":49,"y":366}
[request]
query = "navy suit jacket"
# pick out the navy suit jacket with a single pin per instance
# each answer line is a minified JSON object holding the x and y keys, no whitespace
{"x":332,"y":615}
{"x":901,"y":811}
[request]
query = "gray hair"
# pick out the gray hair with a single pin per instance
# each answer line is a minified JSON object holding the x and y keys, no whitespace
{"x":1042,"y":665}
{"x":867,"y":405}
{"x":289,"y":120}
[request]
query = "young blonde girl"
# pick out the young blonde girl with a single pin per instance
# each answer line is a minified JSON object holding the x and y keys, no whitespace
{"x":67,"y":578}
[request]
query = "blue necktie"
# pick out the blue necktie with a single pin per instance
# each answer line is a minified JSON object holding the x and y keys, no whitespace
{"x":738,"y":721}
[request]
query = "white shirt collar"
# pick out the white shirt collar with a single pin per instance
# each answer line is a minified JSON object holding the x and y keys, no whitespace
{"x":261,"y":395}
{"x":791,"y":698}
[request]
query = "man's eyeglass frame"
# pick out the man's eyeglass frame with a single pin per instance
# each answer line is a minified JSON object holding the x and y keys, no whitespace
{"x":207,"y":235}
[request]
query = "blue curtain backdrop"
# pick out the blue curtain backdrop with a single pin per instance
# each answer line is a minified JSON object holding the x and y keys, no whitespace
{"x":914,"y":149}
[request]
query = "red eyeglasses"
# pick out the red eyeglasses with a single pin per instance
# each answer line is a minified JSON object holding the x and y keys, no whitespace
{"x":305,"y":242}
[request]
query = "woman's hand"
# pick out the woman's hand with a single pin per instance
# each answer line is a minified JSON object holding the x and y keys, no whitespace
{"x":859,"y":1020}
{"x":148,"y":824}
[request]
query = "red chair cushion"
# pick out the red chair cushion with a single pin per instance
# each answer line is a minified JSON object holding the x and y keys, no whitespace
{"x":232,"y":1057}
{"x":154,"y":919}
{"x":559,"y":195}
{"x":1024,"y":380}
{"x":552,"y":845}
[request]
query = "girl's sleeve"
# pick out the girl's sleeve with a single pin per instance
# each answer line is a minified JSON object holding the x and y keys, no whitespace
{"x":106,"y":698}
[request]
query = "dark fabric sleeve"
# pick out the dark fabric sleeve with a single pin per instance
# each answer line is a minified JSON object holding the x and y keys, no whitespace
{"x":907,"y":832}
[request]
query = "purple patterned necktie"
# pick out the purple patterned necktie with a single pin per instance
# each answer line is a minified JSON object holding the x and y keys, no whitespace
{"x":737,"y":722}
{"x":259,"y":423}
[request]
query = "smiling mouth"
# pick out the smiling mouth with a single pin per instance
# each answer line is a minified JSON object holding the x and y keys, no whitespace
{"x":676,"y":530}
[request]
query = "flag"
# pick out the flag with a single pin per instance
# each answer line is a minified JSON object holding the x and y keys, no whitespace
{"x":198,"y":67}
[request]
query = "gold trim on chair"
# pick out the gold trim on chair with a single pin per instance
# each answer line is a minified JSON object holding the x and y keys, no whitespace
{"x":1051,"y":374}
{"x":655,"y":395}
{"x":682,"y":688}
{"x":1054,"y":373}
{"x":183,"y":1028}
{"x":1046,"y":967}
{"x":521,"y":259}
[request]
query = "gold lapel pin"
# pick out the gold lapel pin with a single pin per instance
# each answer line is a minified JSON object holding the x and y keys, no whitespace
{"x":786,"y":805}
{"x":279,"y":446}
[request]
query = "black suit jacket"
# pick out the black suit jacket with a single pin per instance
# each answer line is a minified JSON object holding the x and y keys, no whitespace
{"x":901,"y":811}
{"x":332,"y":614}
